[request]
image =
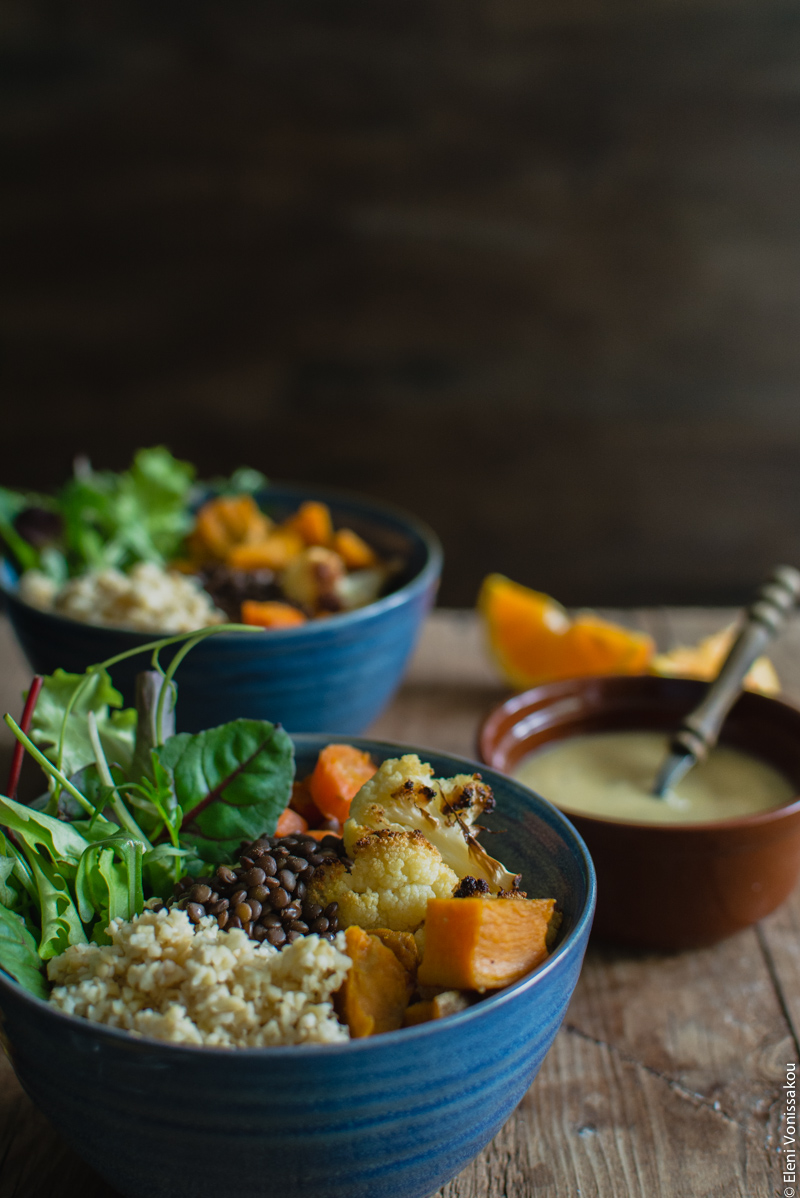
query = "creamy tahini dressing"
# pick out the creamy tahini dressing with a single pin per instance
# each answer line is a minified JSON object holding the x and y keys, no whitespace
{"x":611,"y":774}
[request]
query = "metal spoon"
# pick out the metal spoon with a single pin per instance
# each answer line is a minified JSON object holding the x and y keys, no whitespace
{"x":699,"y":731}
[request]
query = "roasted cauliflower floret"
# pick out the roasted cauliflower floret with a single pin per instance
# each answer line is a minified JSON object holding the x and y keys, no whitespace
{"x":394,"y":873}
{"x":312,"y":578}
{"x":404,"y":794}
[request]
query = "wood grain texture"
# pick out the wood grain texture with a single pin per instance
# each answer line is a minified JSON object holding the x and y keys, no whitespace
{"x":664,"y":1081}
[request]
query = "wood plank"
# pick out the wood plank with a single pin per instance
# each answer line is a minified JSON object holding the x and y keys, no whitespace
{"x":607,"y":1125}
{"x":778,"y":935}
{"x":664,"y":1079}
{"x":707,"y":1021}
{"x":35,"y":1162}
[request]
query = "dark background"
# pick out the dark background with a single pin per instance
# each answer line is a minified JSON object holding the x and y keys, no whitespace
{"x":529,"y":269}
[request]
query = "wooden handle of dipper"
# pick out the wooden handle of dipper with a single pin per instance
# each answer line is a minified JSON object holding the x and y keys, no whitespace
{"x":763,"y":619}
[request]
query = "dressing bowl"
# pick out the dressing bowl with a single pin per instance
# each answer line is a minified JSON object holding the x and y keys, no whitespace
{"x":676,"y":885}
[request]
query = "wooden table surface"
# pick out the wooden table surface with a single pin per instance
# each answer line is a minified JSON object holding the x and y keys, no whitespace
{"x":665,"y":1079}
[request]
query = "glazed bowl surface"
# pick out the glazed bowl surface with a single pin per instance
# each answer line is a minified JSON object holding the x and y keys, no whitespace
{"x":667,"y":886}
{"x":338,"y":672}
{"x":393,"y":1116}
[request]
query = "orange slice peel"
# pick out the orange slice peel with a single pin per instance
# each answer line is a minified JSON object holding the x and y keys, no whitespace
{"x":533,"y":639}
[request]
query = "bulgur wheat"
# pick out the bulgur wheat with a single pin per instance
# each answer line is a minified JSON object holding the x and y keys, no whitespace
{"x":162,"y":977}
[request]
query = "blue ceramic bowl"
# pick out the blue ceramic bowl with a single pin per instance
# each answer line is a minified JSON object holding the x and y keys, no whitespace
{"x":334,"y":673}
{"x":395,"y":1116}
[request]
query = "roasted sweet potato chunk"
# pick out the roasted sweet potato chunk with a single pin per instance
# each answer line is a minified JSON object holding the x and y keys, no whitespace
{"x":483,"y":943}
{"x":446,"y":1003}
{"x":375,"y":993}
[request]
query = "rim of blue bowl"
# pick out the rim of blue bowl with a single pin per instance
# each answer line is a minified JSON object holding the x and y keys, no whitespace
{"x":405,"y":1035}
{"x":429,"y":572}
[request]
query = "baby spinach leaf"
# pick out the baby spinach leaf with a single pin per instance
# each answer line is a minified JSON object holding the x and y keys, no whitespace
{"x":18,"y":955}
{"x":232,"y":782}
{"x":116,"y":728}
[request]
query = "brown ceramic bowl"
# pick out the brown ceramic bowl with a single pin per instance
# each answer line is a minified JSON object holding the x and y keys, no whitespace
{"x":678,"y":885}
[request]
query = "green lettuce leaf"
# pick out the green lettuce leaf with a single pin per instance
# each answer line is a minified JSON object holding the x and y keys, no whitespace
{"x":117,"y":520}
{"x":117,"y":728}
{"x":11,"y":504}
{"x":18,"y":955}
{"x":232,"y":782}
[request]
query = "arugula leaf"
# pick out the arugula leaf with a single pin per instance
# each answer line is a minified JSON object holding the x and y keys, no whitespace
{"x":116,"y":728}
{"x":106,"y":887}
{"x":62,"y":841}
{"x":115,"y":904}
{"x":232,"y":782}
{"x":8,"y":895}
{"x":20,"y":870}
{"x":18,"y":955}
{"x":88,"y":781}
{"x":61,"y":924}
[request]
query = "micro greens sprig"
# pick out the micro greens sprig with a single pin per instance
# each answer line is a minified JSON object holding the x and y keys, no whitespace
{"x":154,"y":648}
{"x":70,"y":869}
{"x":47,"y":765}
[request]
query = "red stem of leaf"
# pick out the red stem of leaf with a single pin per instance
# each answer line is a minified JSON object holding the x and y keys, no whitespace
{"x":25,"y":723}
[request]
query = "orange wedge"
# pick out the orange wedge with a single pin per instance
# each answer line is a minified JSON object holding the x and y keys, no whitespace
{"x":533,"y":639}
{"x":704,"y":661}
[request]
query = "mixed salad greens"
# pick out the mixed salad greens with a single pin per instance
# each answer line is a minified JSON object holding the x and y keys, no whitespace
{"x":151,"y":550}
{"x":101,"y":518}
{"x":130,"y":806}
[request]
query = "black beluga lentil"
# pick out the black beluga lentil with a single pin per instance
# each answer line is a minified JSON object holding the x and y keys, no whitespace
{"x":265,"y":894}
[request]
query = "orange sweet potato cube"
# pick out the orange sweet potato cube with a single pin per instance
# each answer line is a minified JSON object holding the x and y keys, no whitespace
{"x":483,"y":943}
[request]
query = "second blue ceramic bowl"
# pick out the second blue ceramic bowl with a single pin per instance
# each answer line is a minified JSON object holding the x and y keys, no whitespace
{"x":394,"y":1116}
{"x":335,"y":673}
